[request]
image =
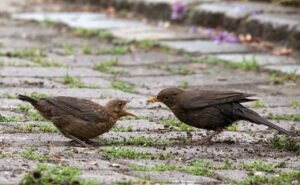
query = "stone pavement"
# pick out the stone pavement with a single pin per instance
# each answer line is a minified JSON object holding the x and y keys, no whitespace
{"x":261,"y":19}
{"x":47,"y":59}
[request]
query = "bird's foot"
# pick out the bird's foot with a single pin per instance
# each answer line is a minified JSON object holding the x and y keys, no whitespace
{"x":80,"y":143}
{"x":90,"y":142}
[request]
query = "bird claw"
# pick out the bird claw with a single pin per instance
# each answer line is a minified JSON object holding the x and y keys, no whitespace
{"x":82,"y":143}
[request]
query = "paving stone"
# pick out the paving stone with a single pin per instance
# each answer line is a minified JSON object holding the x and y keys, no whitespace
{"x":139,"y":125}
{"x":285,"y":68}
{"x":45,"y":72}
{"x":275,"y":27}
{"x":108,"y":177}
{"x":83,"y":20}
{"x":8,"y":103}
{"x":286,"y":90}
{"x":132,"y":59}
{"x":99,"y":82}
{"x":261,"y":59}
{"x":8,"y":61}
{"x":248,"y":144}
{"x":194,"y":80}
{"x":235,"y":175}
{"x":242,"y":9}
{"x":83,"y":93}
{"x":179,"y":178}
{"x":208,"y":47}
{"x":13,"y":45}
{"x":153,"y":33}
{"x":24,"y":31}
{"x":140,"y":71}
{"x":29,"y":82}
{"x":230,"y":14}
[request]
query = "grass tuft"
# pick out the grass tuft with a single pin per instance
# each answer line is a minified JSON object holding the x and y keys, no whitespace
{"x":284,"y":143}
{"x":123,"y":86}
{"x":48,"y":174}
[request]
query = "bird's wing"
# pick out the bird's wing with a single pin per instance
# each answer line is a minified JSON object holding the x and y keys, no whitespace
{"x":203,"y":98}
{"x":80,"y":108}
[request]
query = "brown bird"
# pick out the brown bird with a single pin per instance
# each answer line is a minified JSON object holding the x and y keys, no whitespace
{"x":79,"y":119}
{"x":211,"y":110}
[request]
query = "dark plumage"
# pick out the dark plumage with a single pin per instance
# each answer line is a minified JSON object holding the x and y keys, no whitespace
{"x":79,"y":119}
{"x":212,"y":110}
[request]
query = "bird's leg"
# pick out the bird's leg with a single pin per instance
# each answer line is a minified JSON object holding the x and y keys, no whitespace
{"x":91,"y":142}
{"x":77,"y":140}
{"x":206,"y":140}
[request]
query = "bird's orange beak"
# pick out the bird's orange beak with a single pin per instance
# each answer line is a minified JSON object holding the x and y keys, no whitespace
{"x":152,"y":100}
{"x":125,"y":113}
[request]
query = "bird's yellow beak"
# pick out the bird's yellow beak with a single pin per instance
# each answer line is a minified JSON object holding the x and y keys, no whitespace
{"x":125,"y":113}
{"x":152,"y":100}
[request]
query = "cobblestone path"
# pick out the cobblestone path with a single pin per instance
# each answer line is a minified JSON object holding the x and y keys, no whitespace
{"x":47,"y":59}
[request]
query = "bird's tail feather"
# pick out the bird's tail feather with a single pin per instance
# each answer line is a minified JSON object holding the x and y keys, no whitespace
{"x":27,"y":99}
{"x":252,"y":116}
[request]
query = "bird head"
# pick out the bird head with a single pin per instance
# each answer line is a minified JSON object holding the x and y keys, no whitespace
{"x":167,"y":96}
{"x":118,"y":107}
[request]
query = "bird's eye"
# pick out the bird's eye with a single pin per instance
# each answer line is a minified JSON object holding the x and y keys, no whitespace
{"x":166,"y":98}
{"x":120,"y":104}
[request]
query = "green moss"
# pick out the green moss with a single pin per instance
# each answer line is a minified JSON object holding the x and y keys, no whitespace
{"x":158,"y":167}
{"x":258,"y":104}
{"x":30,"y":113}
{"x":119,"y":50}
{"x":145,"y":45}
{"x":46,"y":23}
{"x":228,"y":165}
{"x":285,"y":143}
{"x":68,"y":50}
{"x":139,"y":117}
{"x":26,"y":53}
{"x":233,"y":127}
{"x":261,"y":166}
{"x":87,"y":50}
{"x":46,"y":174}
{"x":103,"y":34}
{"x":201,"y":168}
{"x":280,"y":78}
{"x":106,"y":67}
{"x":31,"y":154}
{"x":121,"y":153}
{"x":285,"y":178}
{"x":75,"y":82}
{"x":123,"y":86}
{"x":141,"y":141}
{"x":6,"y":155}
{"x":177,"y":125}
{"x":294,"y":104}
{"x":245,"y":64}
{"x":36,"y":95}
{"x":183,"y":84}
{"x":46,"y":62}
{"x":179,"y":70}
{"x":8,"y":96}
{"x":46,"y":128}
{"x":11,"y":118}
{"x":287,"y":117}
{"x":122,"y":129}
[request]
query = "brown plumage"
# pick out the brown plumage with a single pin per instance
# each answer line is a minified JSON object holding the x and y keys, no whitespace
{"x":79,"y":119}
{"x":212,"y":110}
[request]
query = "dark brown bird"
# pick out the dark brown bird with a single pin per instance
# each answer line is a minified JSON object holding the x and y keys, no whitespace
{"x":79,"y":119}
{"x":211,"y":110}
